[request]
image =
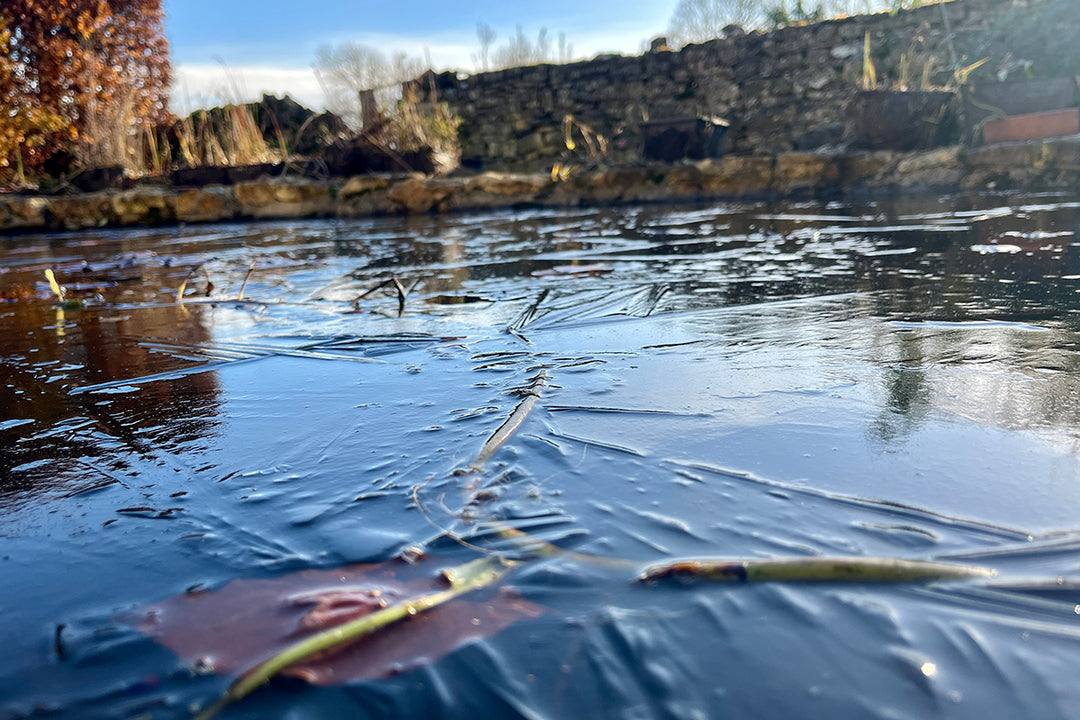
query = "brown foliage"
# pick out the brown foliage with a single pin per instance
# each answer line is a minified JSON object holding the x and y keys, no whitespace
{"x":23,"y":127}
{"x":99,"y":66}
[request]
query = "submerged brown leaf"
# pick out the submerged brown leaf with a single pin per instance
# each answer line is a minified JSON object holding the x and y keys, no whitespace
{"x":231,"y":629}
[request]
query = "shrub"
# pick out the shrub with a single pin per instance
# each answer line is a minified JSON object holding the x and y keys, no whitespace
{"x":83,"y":75}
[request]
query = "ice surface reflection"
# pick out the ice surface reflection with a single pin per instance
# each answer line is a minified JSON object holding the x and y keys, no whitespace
{"x":743,"y":381}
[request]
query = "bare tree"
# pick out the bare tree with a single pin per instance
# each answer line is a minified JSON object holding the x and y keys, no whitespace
{"x":520,"y":50}
{"x":699,"y":20}
{"x":813,"y":10}
{"x":347,"y":69}
{"x":566,"y":49}
{"x":833,"y":8}
{"x":486,"y":35}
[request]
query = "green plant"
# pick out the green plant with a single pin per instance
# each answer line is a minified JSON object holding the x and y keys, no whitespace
{"x":870,"y":79}
{"x":595,"y":143}
{"x":962,"y":74}
{"x":869,"y":73}
{"x":418,"y":126}
{"x":905,"y":71}
{"x":927,"y":73}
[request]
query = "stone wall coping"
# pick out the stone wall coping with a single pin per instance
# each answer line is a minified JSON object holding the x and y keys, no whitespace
{"x":1039,"y":165}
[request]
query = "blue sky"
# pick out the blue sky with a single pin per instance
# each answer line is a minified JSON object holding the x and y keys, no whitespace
{"x":236,"y":49}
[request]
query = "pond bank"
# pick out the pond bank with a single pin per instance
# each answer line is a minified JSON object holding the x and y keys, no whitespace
{"x":1033,"y":166}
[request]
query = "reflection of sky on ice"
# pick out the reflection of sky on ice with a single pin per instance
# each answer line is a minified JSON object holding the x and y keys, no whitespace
{"x":742,"y":381}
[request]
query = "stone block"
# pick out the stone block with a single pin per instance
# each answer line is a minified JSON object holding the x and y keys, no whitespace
{"x":214,"y":203}
{"x":283,"y":199}
{"x":998,"y":156}
{"x":143,"y":206}
{"x":24,"y":212}
{"x":420,"y":195}
{"x":488,"y":190}
{"x":917,"y":162}
{"x":362,"y":184}
{"x":683,"y":180}
{"x":862,"y":168}
{"x":374,"y":202}
{"x":533,"y":143}
{"x":936,"y":168}
{"x":509,"y":185}
{"x":76,"y":212}
{"x":619,"y":184}
{"x":796,"y":172}
{"x":940,"y":177}
{"x":1061,"y":154}
{"x":737,"y":176}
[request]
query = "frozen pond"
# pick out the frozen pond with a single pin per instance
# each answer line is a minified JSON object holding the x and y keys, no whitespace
{"x":737,"y":381}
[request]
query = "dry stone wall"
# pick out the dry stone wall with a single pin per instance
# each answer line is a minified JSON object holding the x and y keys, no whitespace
{"x":784,"y":90}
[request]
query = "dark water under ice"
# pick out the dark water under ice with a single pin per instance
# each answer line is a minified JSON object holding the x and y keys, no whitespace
{"x":742,"y":381}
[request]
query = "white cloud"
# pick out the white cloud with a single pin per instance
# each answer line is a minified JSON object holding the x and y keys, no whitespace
{"x":199,"y":85}
{"x":446,"y":52}
{"x":196,"y":85}
{"x":449,"y":52}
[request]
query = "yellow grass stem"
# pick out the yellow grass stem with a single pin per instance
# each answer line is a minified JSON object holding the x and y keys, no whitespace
{"x":512,"y":423}
{"x":57,"y":290}
{"x":855,"y":569}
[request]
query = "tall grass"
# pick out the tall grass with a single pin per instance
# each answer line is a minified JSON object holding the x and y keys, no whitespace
{"x":114,"y":136}
{"x":226,"y":136}
{"x":415,"y":125}
{"x":106,"y":138}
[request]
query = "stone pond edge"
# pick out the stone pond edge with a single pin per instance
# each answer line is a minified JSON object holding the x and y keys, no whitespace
{"x":1033,"y":166}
